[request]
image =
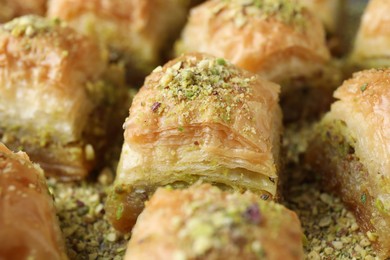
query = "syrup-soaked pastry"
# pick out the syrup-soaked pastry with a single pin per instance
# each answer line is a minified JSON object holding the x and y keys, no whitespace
{"x":372,"y":42}
{"x":198,"y":117}
{"x":203,"y":222}
{"x":135,"y":31}
{"x":28,"y":221}
{"x":327,"y":10}
{"x":331,"y":14}
{"x":351,"y":151}
{"x":54,"y":103}
{"x":10,"y":9}
{"x":277,"y":39}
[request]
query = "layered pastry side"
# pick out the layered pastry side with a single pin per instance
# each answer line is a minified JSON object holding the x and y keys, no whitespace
{"x":10,"y":9}
{"x":28,"y":221}
{"x":197,"y":117}
{"x":371,"y":48}
{"x":351,"y":152}
{"x":203,"y":222}
{"x":55,"y":103}
{"x":136,"y":32}
{"x":277,"y":39}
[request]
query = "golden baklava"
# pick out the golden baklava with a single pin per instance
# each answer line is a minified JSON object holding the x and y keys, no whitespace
{"x":351,"y":152}
{"x":372,"y":42}
{"x":54,"y":102}
{"x":277,"y":39}
{"x":28,"y":221}
{"x":203,"y":222}
{"x":331,"y":14}
{"x":10,"y":9}
{"x":135,"y":31}
{"x":198,"y":117}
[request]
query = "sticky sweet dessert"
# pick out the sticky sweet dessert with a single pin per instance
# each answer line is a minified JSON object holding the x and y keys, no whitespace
{"x":277,"y":39}
{"x":371,"y":49}
{"x":350,"y":150}
{"x":136,"y":32}
{"x":198,"y":117}
{"x":203,"y":222}
{"x":55,"y":103}
{"x":28,"y":221}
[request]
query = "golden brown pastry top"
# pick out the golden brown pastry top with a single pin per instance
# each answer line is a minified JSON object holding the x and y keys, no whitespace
{"x":373,"y":39}
{"x":137,"y":30}
{"x":29,"y":226}
{"x":67,"y":57}
{"x":53,"y":70}
{"x":364,"y":105}
{"x":197,"y":89}
{"x":278,"y":39}
{"x":202,"y":222}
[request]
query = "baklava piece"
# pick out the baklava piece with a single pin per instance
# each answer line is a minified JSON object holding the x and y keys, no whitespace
{"x":10,"y":9}
{"x":136,"y":32}
{"x":203,"y":222}
{"x":198,"y":117}
{"x":54,"y":102}
{"x":28,"y":221}
{"x":277,"y":39}
{"x":372,"y":42}
{"x":332,"y":15}
{"x":351,"y":152}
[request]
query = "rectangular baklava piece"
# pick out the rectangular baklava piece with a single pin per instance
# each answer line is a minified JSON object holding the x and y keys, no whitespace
{"x":203,"y":222}
{"x":351,"y":152}
{"x":371,"y":47}
{"x":198,"y":117}
{"x":55,"y":103}
{"x":136,"y":32}
{"x":29,"y":227}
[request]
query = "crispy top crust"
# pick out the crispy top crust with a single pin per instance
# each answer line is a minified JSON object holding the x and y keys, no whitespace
{"x":197,"y":90}
{"x":45,"y":68}
{"x":373,"y":38}
{"x":364,"y":105}
{"x":23,"y":192}
{"x":203,"y":222}
{"x":136,"y":28}
{"x":278,"y":39}
{"x":14,"y":8}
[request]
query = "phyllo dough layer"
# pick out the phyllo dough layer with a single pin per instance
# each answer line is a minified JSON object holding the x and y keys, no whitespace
{"x":275,"y":38}
{"x":135,"y":31}
{"x":203,"y":222}
{"x":198,"y":117}
{"x":351,"y":151}
{"x":372,"y":42}
{"x":29,"y":226}
{"x":54,"y":101}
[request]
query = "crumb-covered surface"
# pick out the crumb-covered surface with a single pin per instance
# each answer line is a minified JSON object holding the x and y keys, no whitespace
{"x":331,"y":231}
{"x":80,"y":207}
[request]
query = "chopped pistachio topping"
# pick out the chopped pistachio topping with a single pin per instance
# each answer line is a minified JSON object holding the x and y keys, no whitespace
{"x":215,"y":221}
{"x":364,"y":87}
{"x":211,"y":83}
{"x":363,"y":198}
{"x":119,"y":212}
{"x":285,"y":11}
{"x":30,"y":26}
